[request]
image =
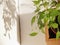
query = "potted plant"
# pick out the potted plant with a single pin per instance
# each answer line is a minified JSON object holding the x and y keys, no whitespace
{"x":48,"y":20}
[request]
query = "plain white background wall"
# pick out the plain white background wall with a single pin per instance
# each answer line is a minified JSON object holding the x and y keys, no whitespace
{"x":26,"y":6}
{"x":26,"y":29}
{"x":26,"y":14}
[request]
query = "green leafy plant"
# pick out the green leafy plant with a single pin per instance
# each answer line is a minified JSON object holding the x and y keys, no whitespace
{"x":33,"y":33}
{"x":50,"y":15}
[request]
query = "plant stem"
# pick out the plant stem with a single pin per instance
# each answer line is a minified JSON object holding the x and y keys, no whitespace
{"x":53,"y":31}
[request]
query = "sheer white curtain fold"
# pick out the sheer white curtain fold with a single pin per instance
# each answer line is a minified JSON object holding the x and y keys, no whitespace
{"x":8,"y":22}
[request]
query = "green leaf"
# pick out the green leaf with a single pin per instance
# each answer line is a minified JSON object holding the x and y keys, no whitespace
{"x":59,"y":19}
{"x":36,"y":2}
{"x":39,"y":22}
{"x":54,"y":12}
{"x":53,"y":3}
{"x":58,"y":35}
{"x":33,"y":20}
{"x":50,"y":22}
{"x":41,"y":26}
{"x":45,"y":19}
{"x":59,"y":12}
{"x":37,"y":10}
{"x":41,"y":15}
{"x":58,"y":5}
{"x":54,"y":25}
{"x":52,"y":18}
{"x":42,"y":30}
{"x":33,"y":34}
{"x":45,"y":4}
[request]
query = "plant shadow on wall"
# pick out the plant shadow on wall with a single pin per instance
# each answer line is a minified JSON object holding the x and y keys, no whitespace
{"x":1,"y":1}
{"x":48,"y":20}
{"x":9,"y":16}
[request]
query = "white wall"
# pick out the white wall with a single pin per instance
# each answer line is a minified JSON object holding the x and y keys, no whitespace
{"x":26,"y":29}
{"x":25,"y":2}
{"x":26,"y":13}
{"x":26,"y":6}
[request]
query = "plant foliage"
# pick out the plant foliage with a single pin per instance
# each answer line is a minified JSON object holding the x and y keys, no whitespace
{"x":51,"y":9}
{"x":33,"y":34}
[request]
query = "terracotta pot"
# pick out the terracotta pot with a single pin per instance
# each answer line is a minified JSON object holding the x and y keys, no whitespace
{"x":58,"y":0}
{"x":52,"y":41}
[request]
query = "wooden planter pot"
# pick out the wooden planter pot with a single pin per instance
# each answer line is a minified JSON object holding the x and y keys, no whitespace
{"x":52,"y":41}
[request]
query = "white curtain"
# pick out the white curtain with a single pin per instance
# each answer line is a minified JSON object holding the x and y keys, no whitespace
{"x":8,"y":22}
